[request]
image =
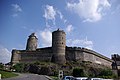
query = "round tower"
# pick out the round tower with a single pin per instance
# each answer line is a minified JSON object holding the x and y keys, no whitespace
{"x":32,"y":42}
{"x":16,"y":57}
{"x":58,"y":46}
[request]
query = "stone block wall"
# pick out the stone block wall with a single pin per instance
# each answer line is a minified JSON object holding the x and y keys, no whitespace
{"x":15,"y":56}
{"x":24,"y":56}
{"x":97,"y":59}
{"x":35,"y":56}
{"x":71,"y":54}
{"x":82,"y":54}
{"x":74,"y":54}
{"x":58,"y":46}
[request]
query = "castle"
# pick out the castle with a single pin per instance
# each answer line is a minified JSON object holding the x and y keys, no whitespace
{"x":59,"y":53}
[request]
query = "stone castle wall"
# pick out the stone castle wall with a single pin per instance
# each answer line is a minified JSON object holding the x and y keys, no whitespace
{"x":72,"y":54}
{"x":58,"y":53}
{"x":35,"y":56}
{"x":32,"y":56}
{"x":83,"y":54}
{"x":96,"y":59}
{"x":15,"y":56}
{"x":90,"y":55}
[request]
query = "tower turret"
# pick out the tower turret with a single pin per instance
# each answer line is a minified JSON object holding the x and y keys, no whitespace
{"x":58,"y":46}
{"x":32,"y":42}
{"x":16,"y":57}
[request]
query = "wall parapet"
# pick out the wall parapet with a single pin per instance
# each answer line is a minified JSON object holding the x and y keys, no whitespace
{"x":88,"y":51}
{"x":96,"y":54}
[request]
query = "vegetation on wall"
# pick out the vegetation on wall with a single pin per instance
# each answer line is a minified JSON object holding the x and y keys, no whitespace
{"x":77,"y":69}
{"x":19,"y":67}
{"x":107,"y":73}
{"x":77,"y":72}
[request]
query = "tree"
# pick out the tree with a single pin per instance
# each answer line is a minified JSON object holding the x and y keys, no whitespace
{"x":107,"y":73}
{"x":19,"y":67}
{"x":1,"y":65}
{"x":77,"y":72}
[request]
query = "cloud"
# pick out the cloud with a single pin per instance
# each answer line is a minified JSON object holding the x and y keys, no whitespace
{"x":16,"y":9}
{"x":46,"y":38}
{"x":80,"y":43}
{"x":61,"y":16}
{"x":15,"y":15}
{"x":5,"y":55}
{"x":69,"y":28}
{"x":116,"y":10}
{"x":89,"y":10}
{"x":50,"y":13}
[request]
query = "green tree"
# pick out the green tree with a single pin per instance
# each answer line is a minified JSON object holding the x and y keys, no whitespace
{"x":107,"y":73}
{"x":77,"y":72}
{"x":1,"y":65}
{"x":19,"y":67}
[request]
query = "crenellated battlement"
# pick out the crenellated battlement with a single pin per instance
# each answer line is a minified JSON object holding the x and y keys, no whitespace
{"x":73,"y":48}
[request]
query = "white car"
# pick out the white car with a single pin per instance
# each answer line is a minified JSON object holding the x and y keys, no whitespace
{"x":96,"y":79}
{"x":68,"y":78}
{"x":81,"y":78}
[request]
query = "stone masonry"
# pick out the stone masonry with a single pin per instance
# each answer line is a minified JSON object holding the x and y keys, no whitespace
{"x":59,"y":53}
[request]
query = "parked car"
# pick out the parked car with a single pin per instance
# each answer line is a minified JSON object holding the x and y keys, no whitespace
{"x":95,"y":78}
{"x":68,"y":78}
{"x":81,"y":78}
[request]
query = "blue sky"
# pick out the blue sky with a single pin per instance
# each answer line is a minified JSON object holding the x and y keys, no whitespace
{"x":93,"y":24}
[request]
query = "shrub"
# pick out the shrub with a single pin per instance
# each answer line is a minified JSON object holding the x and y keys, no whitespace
{"x":107,"y":73}
{"x":1,"y":66}
{"x":19,"y":67}
{"x":77,"y":72}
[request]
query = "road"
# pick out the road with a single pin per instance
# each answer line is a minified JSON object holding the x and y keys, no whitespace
{"x":28,"y":77}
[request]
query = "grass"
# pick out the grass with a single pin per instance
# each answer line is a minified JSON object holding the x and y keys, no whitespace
{"x":5,"y":74}
{"x":54,"y":78}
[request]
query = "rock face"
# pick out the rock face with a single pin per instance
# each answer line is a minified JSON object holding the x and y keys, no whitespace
{"x":59,"y":53}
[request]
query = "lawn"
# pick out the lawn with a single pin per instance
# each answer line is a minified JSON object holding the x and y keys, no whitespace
{"x":5,"y":74}
{"x":54,"y":78}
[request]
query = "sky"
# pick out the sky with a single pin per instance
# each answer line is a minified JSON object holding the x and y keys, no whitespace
{"x":93,"y":24}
